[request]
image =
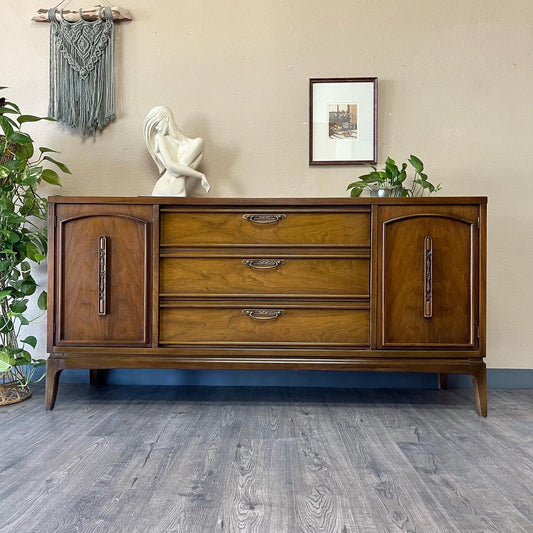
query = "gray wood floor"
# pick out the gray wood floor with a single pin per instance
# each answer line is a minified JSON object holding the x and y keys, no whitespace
{"x":272,"y":460}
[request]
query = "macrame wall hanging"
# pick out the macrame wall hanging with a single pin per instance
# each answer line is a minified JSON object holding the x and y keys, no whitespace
{"x":81,"y":67}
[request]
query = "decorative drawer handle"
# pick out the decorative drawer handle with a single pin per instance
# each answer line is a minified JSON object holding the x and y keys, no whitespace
{"x":263,"y":314}
{"x":102,"y":275}
{"x":428,"y":277}
{"x":263,"y":264}
{"x":264,"y":219}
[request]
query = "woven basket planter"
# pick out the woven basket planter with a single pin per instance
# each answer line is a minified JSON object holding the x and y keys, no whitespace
{"x":11,"y":390}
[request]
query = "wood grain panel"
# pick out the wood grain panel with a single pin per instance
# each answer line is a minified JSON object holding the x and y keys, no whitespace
{"x":230,"y":228}
{"x":219,"y":276}
{"x":449,"y":278}
{"x":186,"y":325}
{"x":125,"y":271}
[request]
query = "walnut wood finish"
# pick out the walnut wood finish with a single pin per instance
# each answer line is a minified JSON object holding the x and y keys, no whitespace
{"x":277,"y":324}
{"x":252,"y":274}
{"x":329,"y":284}
{"x":103,"y":287}
{"x":291,"y":228}
{"x":430,"y":265}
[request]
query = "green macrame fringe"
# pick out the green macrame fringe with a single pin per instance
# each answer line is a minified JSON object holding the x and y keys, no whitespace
{"x":81,"y":72}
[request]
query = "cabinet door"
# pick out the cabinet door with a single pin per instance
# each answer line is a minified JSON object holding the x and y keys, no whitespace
{"x":428,"y":277}
{"x":103,"y":275}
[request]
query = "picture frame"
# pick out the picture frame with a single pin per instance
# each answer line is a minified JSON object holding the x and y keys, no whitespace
{"x":343,"y":121}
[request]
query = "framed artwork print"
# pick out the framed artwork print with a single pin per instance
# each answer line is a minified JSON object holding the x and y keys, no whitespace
{"x":342,"y":121}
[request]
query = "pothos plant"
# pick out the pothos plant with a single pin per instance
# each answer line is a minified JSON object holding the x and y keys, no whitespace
{"x":23,"y":237}
{"x":394,"y":180}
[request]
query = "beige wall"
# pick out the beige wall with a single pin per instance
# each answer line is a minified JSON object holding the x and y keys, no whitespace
{"x":455,"y":88}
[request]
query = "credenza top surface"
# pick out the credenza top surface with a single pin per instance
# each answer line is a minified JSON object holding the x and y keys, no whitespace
{"x":214,"y":201}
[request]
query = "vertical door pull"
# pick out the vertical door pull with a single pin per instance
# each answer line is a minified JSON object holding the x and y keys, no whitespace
{"x":102,"y":275}
{"x":428,"y":277}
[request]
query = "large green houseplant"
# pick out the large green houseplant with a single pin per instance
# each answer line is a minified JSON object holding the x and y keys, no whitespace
{"x":23,"y":243}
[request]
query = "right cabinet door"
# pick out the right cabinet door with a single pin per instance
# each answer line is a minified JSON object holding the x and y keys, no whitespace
{"x":428,"y":277}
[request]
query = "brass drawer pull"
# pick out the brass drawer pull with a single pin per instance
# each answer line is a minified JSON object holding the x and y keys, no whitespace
{"x":263,"y":314}
{"x":264,"y":219}
{"x":263,"y":264}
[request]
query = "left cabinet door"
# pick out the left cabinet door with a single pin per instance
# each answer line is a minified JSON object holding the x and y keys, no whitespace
{"x":102,"y":275}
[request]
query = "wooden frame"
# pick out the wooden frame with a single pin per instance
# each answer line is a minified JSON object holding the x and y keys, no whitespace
{"x":342,"y":121}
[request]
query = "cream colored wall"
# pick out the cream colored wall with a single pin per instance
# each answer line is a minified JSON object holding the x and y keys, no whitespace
{"x":455,"y":88}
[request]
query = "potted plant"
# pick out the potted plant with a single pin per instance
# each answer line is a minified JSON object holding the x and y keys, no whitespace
{"x":391,"y":181}
{"x":23,"y":243}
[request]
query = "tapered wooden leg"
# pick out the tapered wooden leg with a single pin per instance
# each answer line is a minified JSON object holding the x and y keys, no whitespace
{"x":53,"y":370}
{"x":479,"y":381}
{"x":442,"y":381}
{"x":97,"y":378}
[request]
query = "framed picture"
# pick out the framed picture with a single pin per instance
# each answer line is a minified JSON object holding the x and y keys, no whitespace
{"x":343,"y":121}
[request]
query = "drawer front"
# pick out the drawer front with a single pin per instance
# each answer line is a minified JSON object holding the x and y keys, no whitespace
{"x":258,"y":275}
{"x":272,"y":228}
{"x":260,"y":325}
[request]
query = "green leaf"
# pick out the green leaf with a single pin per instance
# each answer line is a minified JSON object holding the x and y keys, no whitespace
{"x":24,"y":151}
{"x":31,"y":340}
{"x":51,"y":176}
{"x":28,"y":118}
{"x":5,"y":365}
{"x":6,"y":127}
{"x":4,"y":294}
{"x":33,"y":253}
{"x":6,"y":324}
{"x":11,"y":236}
{"x":28,"y":287}
{"x":44,"y":149}
{"x":19,"y":306}
{"x":42,"y":302}
{"x":24,"y":358}
{"x":62,"y":166}
{"x":417,"y":164}
{"x":23,"y":320}
{"x":21,"y":138}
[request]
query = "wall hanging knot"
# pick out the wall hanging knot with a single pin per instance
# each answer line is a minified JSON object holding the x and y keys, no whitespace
{"x":81,"y":70}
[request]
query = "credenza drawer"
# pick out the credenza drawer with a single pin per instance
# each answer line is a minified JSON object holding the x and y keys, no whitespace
{"x":260,"y":275}
{"x":265,"y":228}
{"x":264,"y":325}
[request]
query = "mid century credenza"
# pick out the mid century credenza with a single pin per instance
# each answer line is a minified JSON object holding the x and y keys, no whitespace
{"x":385,"y":284}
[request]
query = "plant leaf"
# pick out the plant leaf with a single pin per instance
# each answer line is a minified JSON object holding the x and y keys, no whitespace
{"x":31,"y":340}
{"x":417,"y":164}
{"x":62,"y":166}
{"x":43,"y":150}
{"x":42,"y":301}
{"x":6,"y":127}
{"x":51,"y":176}
{"x":5,"y":365}
{"x":21,"y":138}
{"x":28,"y":118}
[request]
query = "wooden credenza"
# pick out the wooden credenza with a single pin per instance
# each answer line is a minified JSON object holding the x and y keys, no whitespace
{"x":388,"y":284}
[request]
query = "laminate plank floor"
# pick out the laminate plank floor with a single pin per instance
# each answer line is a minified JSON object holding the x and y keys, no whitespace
{"x":267,"y":460}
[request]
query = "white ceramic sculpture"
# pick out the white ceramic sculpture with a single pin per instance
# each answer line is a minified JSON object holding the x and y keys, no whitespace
{"x":175,"y":155}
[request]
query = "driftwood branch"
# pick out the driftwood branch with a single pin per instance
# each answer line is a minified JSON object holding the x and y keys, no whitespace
{"x":92,"y":13}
